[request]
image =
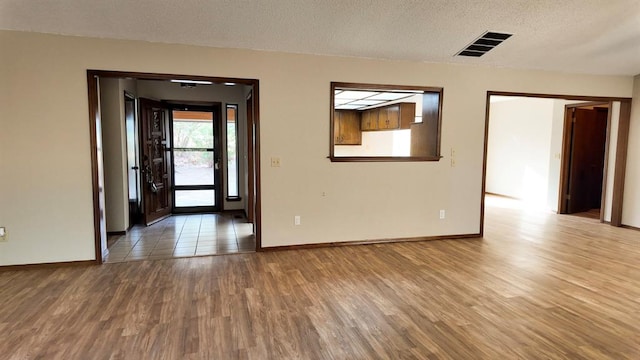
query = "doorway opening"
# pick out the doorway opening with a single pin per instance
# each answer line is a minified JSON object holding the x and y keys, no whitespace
{"x":537,"y":156}
{"x":158,"y":152}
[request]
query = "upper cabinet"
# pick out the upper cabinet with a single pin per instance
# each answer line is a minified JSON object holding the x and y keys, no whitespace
{"x":390,"y":117}
{"x":346,"y":127}
{"x":369,"y":120}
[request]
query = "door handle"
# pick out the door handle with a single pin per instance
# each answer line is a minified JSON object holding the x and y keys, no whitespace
{"x":150,"y":180}
{"x":216,"y":165}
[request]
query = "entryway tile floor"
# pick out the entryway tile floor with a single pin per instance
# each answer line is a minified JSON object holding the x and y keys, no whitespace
{"x":184,"y":236}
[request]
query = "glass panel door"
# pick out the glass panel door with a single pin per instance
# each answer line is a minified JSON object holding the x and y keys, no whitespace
{"x":194,"y":161}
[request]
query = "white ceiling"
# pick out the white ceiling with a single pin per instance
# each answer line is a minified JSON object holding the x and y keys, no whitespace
{"x":584,"y":36}
{"x":355,"y":99}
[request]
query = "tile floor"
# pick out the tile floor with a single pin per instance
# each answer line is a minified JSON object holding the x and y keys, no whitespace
{"x":183,"y":236}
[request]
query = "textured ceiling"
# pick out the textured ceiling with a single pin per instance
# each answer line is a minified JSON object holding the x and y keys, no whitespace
{"x":584,"y":36}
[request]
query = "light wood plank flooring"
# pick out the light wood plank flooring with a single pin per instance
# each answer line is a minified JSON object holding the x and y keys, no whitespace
{"x":538,"y":286}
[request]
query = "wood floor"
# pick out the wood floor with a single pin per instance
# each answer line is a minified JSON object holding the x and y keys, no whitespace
{"x":538,"y":286}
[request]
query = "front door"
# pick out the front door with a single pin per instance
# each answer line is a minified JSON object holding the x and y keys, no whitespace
{"x":196,"y":159}
{"x":156,"y":168}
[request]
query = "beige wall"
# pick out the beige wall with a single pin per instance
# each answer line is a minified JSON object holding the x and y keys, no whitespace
{"x":52,"y":220}
{"x":519,"y":147}
{"x":114,"y":150}
{"x":610,"y":174}
{"x":631,"y":203}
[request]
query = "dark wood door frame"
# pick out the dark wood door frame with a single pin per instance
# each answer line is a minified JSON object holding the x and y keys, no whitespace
{"x":566,"y":154}
{"x":250,"y":161}
{"x":621,"y":149}
{"x":97,"y":172}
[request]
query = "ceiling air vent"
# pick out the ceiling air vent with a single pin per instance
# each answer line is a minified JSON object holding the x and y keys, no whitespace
{"x":484,"y":43}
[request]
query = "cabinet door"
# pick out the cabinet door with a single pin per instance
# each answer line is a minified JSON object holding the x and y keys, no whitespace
{"x":407,"y":115}
{"x":337,"y":121}
{"x":346,"y":128}
{"x":389,"y":117}
{"x":350,"y":128}
{"x":370,"y":120}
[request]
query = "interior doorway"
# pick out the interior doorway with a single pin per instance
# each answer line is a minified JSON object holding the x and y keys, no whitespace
{"x":588,"y":158}
{"x":157,"y":169}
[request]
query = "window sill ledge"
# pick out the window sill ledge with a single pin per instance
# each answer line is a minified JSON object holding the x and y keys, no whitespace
{"x":383,"y":158}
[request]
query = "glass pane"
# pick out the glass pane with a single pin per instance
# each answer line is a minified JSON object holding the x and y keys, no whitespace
{"x":232,"y":151}
{"x":189,"y":133}
{"x":193,"y":167}
{"x":195,"y":198}
{"x":232,"y":160}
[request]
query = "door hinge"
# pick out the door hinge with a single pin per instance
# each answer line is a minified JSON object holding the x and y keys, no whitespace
{"x":568,"y":196}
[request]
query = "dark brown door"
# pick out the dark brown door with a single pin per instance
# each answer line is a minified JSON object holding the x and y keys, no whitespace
{"x":155,"y":150}
{"x":586,"y":162}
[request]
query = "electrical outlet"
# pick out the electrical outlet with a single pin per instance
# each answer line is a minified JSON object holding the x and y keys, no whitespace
{"x":296,"y":220}
{"x":275,"y":162}
{"x":442,"y":214}
{"x":3,"y":233}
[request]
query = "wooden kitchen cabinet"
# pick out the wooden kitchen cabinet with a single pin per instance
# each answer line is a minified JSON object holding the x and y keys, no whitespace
{"x":390,"y":117}
{"x":369,"y":120}
{"x":346,"y":127}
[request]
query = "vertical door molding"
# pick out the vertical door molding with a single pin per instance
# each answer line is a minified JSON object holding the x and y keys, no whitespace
{"x":620,"y":163}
